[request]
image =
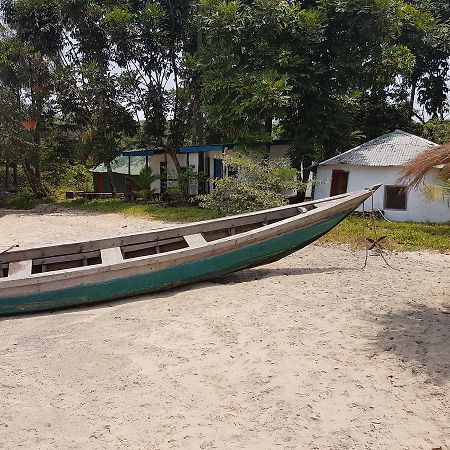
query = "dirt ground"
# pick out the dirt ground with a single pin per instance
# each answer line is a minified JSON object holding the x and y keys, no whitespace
{"x":310,"y":352}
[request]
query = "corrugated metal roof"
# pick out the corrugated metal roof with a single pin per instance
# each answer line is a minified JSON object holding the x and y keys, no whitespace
{"x":392,"y":149}
{"x":204,"y":148}
{"x":120,"y":165}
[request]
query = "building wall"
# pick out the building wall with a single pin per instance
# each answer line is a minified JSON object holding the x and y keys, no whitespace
{"x":418,"y":208}
{"x":103,"y":184}
{"x":154,"y":163}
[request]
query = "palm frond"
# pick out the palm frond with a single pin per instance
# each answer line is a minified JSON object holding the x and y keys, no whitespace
{"x":415,"y":170}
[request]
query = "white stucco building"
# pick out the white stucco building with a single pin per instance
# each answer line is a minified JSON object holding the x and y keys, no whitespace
{"x":380,"y":161}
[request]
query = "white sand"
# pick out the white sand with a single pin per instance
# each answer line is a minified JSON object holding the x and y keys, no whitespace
{"x":310,"y":352}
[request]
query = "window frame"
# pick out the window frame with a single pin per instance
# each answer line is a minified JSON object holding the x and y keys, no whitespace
{"x":405,"y":189}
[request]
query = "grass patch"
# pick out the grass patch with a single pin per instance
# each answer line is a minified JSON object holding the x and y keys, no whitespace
{"x":158,"y":212}
{"x":401,"y":236}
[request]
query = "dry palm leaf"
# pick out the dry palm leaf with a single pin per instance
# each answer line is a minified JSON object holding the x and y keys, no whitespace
{"x":415,"y":170}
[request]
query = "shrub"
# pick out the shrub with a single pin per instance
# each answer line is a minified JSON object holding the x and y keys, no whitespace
{"x":256,"y":185}
{"x":174,"y":196}
{"x":140,"y":185}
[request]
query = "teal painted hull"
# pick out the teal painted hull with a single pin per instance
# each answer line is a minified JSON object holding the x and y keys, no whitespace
{"x":251,"y":256}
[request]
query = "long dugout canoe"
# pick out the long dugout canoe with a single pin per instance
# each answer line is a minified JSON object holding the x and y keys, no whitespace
{"x":77,"y":273}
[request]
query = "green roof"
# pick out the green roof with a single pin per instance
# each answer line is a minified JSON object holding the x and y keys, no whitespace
{"x":120,"y":165}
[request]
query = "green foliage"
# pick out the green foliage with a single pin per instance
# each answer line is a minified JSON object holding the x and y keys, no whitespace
{"x":174,"y":196}
{"x":23,"y":201}
{"x":78,"y":178}
{"x":256,"y":186}
{"x":141,"y":184}
{"x":187,"y":178}
{"x":325,"y":74}
{"x":332,"y":73}
{"x":437,"y":131}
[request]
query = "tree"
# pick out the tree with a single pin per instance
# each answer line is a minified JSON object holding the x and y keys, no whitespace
{"x":250,"y":51}
{"x":319,"y":68}
{"x":430,"y":43}
{"x":149,"y":40}
{"x":26,"y":98}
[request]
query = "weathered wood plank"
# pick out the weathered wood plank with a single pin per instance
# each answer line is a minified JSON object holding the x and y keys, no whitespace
{"x":141,"y":246}
{"x":64,"y":258}
{"x":111,"y":256}
{"x":195,"y":240}
{"x":20,"y":269}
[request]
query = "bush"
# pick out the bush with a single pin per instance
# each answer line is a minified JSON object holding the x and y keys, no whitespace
{"x":23,"y":201}
{"x":174,"y":196}
{"x":255,"y":186}
{"x":140,"y":185}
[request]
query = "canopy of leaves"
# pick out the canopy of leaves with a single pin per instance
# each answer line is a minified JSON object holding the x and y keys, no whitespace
{"x":331,"y":72}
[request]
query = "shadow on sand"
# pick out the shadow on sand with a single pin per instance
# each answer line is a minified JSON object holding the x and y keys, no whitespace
{"x":419,"y":336}
{"x":269,"y":272}
{"x":232,"y":278}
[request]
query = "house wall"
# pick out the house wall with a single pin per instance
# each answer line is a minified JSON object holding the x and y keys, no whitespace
{"x":103,"y":184}
{"x":154,"y":163}
{"x":418,"y":208}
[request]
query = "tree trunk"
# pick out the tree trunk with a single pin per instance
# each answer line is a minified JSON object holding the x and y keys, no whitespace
{"x":111,"y":177}
{"x":198,"y":123}
{"x":175,"y":160}
{"x":6,"y":176}
{"x":34,"y":180}
{"x":412,"y":98}
{"x":268,"y":130}
{"x":15,"y":182}
{"x":268,"y":127}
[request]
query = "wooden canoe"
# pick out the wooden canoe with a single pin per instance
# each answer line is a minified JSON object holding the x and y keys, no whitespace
{"x":71,"y":274}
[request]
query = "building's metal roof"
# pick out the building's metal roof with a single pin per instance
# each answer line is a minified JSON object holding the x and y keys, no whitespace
{"x":120,"y":165}
{"x":392,"y":149}
{"x":205,"y":148}
{"x":222,"y":147}
{"x":138,"y":152}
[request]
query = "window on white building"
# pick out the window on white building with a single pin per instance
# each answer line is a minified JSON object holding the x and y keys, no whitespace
{"x":395,"y":197}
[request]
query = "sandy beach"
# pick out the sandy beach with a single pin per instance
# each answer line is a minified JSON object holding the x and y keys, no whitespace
{"x":310,"y":352}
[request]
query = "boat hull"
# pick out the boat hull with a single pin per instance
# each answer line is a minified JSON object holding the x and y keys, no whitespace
{"x":182,"y":274}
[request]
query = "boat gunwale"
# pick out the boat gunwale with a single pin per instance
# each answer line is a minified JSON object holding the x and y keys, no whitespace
{"x":179,"y":256}
{"x":16,"y":253}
